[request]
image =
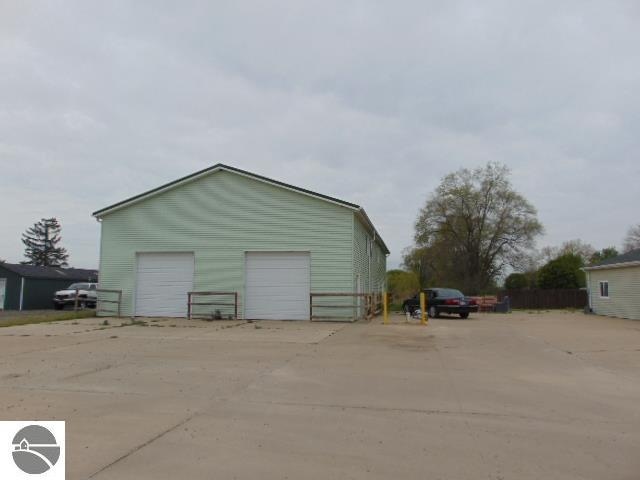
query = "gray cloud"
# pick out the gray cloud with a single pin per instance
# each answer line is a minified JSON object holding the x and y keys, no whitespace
{"x":372,"y":102}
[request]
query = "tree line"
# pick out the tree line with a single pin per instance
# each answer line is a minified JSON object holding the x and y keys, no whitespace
{"x":475,"y":229}
{"x":559,"y":267}
{"x":472,"y":230}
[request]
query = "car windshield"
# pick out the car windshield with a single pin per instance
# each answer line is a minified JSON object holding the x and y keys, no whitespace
{"x":79,"y":286}
{"x":449,"y":293}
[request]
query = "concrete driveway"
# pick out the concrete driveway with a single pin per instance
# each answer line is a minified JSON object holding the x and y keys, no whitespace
{"x":520,"y":396}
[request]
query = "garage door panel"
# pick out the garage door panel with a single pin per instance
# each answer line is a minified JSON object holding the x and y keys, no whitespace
{"x":163,"y":280}
{"x":282,"y":288}
{"x":277,"y":285}
{"x":294,"y":276}
{"x":265,"y":275}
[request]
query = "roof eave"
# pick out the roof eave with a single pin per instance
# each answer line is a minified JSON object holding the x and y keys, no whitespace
{"x":368,"y":221}
{"x":207,"y":171}
{"x":154,"y":191}
{"x":98,"y":214}
{"x":634,"y":263}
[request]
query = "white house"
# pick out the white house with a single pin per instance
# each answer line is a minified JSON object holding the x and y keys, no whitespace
{"x":614,"y":286}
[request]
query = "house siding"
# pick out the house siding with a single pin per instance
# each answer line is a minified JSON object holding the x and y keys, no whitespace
{"x":219,"y":217}
{"x":624,"y":292}
{"x":372,"y":270}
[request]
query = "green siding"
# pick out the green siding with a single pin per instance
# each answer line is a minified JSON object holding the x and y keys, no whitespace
{"x":39,"y":292}
{"x":379,"y":269}
{"x":371,"y":268}
{"x":12,"y":292}
{"x":624,"y":292}
{"x":219,"y":217}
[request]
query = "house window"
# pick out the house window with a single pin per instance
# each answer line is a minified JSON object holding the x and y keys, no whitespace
{"x":604,"y":289}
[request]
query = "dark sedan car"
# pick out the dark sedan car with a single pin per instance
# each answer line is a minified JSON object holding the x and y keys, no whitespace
{"x":442,"y":300}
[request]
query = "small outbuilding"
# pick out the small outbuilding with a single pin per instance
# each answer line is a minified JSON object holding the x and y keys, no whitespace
{"x":29,"y":287}
{"x":223,"y":229}
{"x":614,"y":286}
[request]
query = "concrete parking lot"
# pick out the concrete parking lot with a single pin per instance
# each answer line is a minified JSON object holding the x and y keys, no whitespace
{"x":520,"y":396}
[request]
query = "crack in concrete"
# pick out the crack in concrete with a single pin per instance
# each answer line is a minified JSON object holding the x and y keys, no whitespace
{"x":89,"y":372}
{"x":425,"y":411}
{"x":201,"y":411}
{"x":70,"y":390}
{"x":60,"y":347}
{"x":622,"y":350}
{"x":142,"y":445}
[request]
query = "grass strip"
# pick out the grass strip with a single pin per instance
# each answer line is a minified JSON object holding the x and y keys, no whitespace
{"x":26,"y":319}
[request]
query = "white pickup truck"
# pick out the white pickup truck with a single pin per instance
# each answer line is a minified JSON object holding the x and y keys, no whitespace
{"x":87,"y":296}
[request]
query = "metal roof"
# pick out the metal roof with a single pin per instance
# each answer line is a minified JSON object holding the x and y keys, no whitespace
{"x":221,"y":166}
{"x":51,"y":273}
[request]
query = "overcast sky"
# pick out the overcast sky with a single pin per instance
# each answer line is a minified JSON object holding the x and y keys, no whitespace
{"x":372,"y":102}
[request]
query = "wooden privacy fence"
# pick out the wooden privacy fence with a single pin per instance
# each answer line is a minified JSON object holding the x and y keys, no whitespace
{"x":551,"y":298}
{"x":117,"y":300}
{"x":345,"y":307}
{"x":231,"y":300}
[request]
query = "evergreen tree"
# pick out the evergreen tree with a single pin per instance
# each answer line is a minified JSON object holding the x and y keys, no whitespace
{"x":41,"y":244}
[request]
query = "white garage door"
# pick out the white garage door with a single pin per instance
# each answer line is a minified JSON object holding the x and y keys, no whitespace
{"x":277,"y":285}
{"x":163,"y":281}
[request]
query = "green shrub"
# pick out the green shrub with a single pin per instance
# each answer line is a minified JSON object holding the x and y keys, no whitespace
{"x":562,"y":272}
{"x":402,"y":284}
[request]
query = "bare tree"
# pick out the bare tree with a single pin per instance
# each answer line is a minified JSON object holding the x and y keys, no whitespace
{"x":632,"y":240}
{"x":577,"y":247}
{"x":475,"y":225}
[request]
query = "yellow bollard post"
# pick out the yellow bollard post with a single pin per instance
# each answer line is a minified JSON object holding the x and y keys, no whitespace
{"x":426,"y":309}
{"x":423,"y":309}
{"x":385,"y":308}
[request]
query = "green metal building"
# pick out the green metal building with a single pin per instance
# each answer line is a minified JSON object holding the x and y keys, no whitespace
{"x":28,"y":287}
{"x":226,"y":229}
